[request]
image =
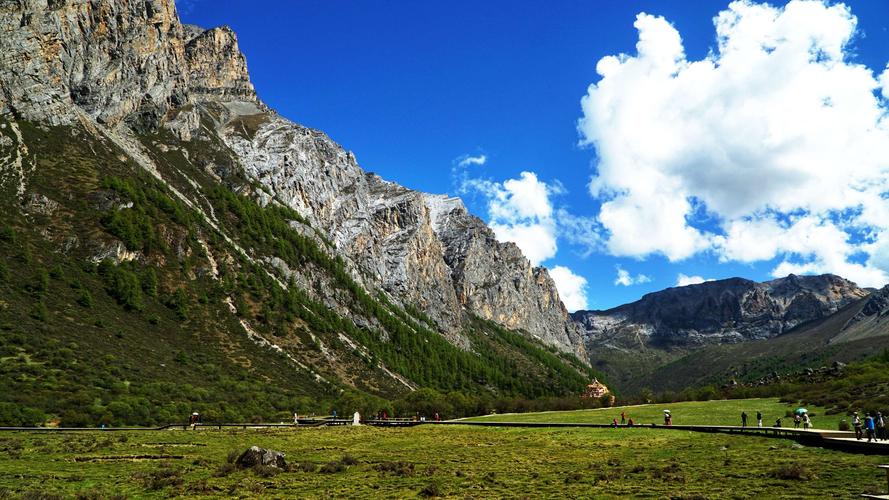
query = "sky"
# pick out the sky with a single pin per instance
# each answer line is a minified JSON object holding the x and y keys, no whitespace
{"x":628,"y":146}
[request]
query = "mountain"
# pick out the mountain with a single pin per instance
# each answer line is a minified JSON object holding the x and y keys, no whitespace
{"x":735,"y":330}
{"x":723,"y":311}
{"x":158,"y":216}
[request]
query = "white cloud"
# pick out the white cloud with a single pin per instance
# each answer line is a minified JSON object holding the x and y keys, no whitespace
{"x":625,"y":278}
{"x":683,"y":280}
{"x":519,"y":211}
{"x":572,"y":288}
{"x":467,"y":160}
{"x":773,"y":146}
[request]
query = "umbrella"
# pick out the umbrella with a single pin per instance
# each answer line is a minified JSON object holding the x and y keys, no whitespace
{"x":800,"y":411}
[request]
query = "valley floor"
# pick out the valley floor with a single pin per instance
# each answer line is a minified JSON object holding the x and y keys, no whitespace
{"x":450,"y":461}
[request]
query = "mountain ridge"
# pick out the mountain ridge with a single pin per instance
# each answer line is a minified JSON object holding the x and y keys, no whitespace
{"x":729,"y":310}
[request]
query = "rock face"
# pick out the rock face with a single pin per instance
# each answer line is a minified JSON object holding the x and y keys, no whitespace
{"x":731,"y":310}
{"x":113,"y":60}
{"x":255,"y":455}
{"x":425,"y":250}
{"x":131,"y":66}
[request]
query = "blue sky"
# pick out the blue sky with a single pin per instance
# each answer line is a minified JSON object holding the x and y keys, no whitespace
{"x":413,"y":87}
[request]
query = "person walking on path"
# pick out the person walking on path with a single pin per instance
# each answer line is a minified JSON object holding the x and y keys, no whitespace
{"x":743,"y":419}
{"x":869,"y":427}
{"x":668,"y":418}
{"x":856,"y":424}
{"x":807,"y":422}
{"x":796,"y":420}
{"x":881,"y":427}
{"x":759,"y":419}
{"x":623,"y":418}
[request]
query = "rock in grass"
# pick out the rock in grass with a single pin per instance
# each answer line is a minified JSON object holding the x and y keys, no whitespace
{"x":260,"y":456}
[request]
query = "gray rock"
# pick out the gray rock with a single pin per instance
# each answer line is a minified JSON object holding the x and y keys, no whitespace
{"x":255,"y":455}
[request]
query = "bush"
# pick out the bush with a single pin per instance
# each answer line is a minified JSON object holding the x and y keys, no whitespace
{"x":349,"y":460}
{"x":160,"y":478}
{"x":85,"y":299}
{"x":265,"y":470}
{"x":844,"y":426}
{"x":225,"y":469}
{"x":304,"y":467}
{"x":794,"y":471}
{"x":402,"y":469}
{"x":39,"y":311}
{"x":7,"y":233}
{"x":123,"y":286}
{"x":431,"y":490}
{"x":332,"y":467}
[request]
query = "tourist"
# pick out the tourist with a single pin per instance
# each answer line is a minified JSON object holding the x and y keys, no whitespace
{"x":869,"y":427}
{"x":743,"y":419}
{"x":796,"y":420}
{"x":295,"y":418}
{"x":881,"y":427}
{"x":614,"y":422}
{"x":856,"y":423}
{"x":668,"y":419}
{"x":623,"y":418}
{"x":630,"y":423}
{"x":759,"y":419}
{"x":778,"y":423}
{"x":807,"y":422}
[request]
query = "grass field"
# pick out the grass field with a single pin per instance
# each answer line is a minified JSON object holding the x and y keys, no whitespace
{"x":724,"y":412}
{"x":448,"y":461}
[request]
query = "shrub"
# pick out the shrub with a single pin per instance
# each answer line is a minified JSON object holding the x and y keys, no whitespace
{"x":349,"y":460}
{"x":85,"y":299}
{"x":160,"y":478}
{"x":332,"y":467}
{"x":304,"y":467}
{"x":265,"y":470}
{"x":431,"y":490}
{"x":225,"y":469}
{"x":844,"y":426}
{"x":123,"y":286}
{"x":402,"y":469}
{"x":794,"y":471}
{"x":7,"y":233}
{"x":39,"y":311}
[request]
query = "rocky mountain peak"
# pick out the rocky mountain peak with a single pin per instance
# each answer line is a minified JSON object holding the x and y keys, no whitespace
{"x":729,"y":310}
{"x":112,"y":60}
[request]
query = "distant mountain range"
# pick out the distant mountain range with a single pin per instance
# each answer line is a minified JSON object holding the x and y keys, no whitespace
{"x":724,"y":311}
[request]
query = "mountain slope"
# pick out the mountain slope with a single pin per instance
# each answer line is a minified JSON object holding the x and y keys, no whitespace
{"x":160,"y":218}
{"x":724,"y":311}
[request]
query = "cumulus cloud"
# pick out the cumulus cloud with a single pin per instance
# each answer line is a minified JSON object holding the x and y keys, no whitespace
{"x":774,"y":146}
{"x":519,"y":211}
{"x":625,"y":278}
{"x":467,"y":160}
{"x":683,"y":280}
{"x":571,"y":287}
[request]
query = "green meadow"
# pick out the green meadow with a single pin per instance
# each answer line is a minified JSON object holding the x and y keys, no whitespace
{"x":724,"y":412}
{"x":445,"y":461}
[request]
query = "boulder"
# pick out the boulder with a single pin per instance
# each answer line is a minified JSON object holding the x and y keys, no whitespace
{"x":260,"y":456}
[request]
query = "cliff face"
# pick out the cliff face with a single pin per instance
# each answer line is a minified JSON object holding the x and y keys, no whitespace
{"x":724,"y":311}
{"x":425,"y":250}
{"x":113,"y":60}
{"x":130,"y":67}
